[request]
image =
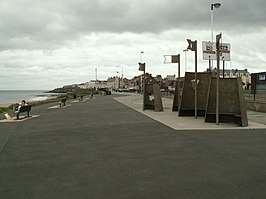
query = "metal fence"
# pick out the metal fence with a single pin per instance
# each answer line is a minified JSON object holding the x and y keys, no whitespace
{"x":255,"y":95}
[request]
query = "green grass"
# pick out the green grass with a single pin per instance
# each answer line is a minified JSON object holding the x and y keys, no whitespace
{"x":5,"y":109}
{"x":34,"y":103}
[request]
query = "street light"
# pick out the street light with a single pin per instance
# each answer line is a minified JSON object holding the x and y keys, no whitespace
{"x":118,"y":83}
{"x":192,"y":45}
{"x":142,"y":68}
{"x":141,"y":56}
{"x":216,"y":5}
{"x":141,"y":86}
{"x":213,"y":5}
{"x":186,"y":50}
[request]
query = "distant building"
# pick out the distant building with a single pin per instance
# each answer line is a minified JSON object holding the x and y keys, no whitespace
{"x":151,"y":80}
{"x":135,"y":83}
{"x":94,"y":84}
{"x":169,"y":82}
{"x":170,"y":77}
{"x":244,"y":74}
{"x":88,"y":85}
{"x":111,"y":82}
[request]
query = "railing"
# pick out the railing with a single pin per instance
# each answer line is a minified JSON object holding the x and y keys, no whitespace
{"x":257,"y":95}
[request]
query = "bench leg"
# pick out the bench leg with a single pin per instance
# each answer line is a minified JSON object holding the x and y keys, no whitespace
{"x":28,"y":114}
{"x":17,"y":116}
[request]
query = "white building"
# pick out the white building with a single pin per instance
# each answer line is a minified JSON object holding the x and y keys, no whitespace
{"x":244,"y":74}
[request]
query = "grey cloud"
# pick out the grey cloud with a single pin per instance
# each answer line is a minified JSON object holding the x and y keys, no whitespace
{"x":36,"y":24}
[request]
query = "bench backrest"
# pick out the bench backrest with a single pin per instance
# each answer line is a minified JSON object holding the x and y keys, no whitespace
{"x":25,"y":108}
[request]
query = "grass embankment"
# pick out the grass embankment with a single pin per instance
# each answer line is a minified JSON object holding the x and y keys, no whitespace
{"x":35,"y":103}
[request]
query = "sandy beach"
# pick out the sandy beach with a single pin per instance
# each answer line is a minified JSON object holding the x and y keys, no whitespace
{"x":7,"y":104}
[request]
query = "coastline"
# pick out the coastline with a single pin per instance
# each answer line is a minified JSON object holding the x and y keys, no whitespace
{"x":7,"y":104}
{"x":8,"y":98}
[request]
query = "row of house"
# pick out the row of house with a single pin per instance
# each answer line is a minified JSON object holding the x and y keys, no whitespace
{"x":134,"y":84}
{"x":168,"y":83}
{"x":244,"y":74}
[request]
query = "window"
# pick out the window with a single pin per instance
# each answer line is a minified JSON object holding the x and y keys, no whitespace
{"x":262,"y":77}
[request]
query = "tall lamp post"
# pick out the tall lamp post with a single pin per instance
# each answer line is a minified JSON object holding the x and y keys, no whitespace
{"x":118,"y":82}
{"x":213,"y":5}
{"x":218,"y":38}
{"x":185,"y":50}
{"x":142,"y":68}
{"x":192,"y":45}
{"x":141,"y":86}
{"x":141,"y":56}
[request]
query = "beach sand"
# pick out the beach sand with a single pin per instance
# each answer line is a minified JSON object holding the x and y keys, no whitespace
{"x":7,"y":104}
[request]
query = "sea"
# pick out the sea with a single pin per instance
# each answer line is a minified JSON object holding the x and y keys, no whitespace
{"x":15,"y":96}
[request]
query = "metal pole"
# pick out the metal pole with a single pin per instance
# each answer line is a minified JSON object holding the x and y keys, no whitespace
{"x":218,"y":37}
{"x":211,"y":22}
{"x":96,"y":78}
{"x":141,"y":85}
{"x":210,"y":66}
{"x":117,"y":80}
{"x":211,"y":61}
{"x":178,"y":81}
{"x":122,"y":81}
{"x":223,"y":66}
{"x":196,"y":81}
{"x":213,"y":5}
{"x":140,"y":90}
{"x":185,"y":59}
{"x":143,"y":89}
{"x":141,"y":56}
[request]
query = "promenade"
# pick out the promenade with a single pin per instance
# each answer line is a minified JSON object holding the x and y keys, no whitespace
{"x":257,"y":120}
{"x":106,"y":147}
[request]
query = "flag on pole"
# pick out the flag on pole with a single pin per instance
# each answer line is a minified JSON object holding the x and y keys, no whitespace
{"x":191,"y":45}
{"x":141,"y":66}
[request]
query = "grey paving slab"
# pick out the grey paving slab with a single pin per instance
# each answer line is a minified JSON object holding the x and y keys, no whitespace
{"x":257,"y":120}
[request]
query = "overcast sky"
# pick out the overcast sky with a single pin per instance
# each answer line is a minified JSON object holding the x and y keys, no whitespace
{"x":46,"y":44}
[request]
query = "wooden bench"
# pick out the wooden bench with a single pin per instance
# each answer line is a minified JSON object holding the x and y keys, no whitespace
{"x":62,"y":102}
{"x":22,"y":109}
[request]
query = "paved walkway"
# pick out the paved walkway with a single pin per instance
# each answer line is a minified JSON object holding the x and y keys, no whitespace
{"x":100,"y":149}
{"x":256,"y":120}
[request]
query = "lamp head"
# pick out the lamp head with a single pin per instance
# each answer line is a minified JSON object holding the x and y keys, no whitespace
{"x":216,"y":5}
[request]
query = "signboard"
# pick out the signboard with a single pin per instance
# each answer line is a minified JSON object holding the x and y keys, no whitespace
{"x":209,"y":51}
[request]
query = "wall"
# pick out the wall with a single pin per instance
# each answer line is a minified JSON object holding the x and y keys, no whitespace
{"x":256,"y":106}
